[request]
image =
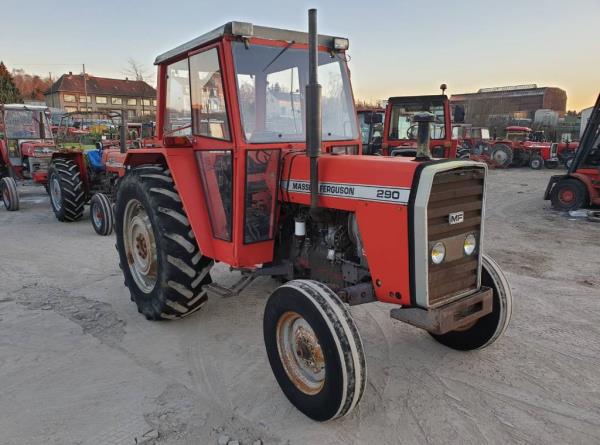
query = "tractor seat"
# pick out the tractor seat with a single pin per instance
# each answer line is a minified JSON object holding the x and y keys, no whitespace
{"x":94,"y":158}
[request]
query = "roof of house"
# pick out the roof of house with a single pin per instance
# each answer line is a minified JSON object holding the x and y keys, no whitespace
{"x":74,"y":83}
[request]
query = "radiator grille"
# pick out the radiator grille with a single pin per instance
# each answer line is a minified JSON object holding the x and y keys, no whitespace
{"x":452,"y":191}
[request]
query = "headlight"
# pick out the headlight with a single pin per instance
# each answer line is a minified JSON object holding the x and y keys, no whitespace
{"x":469,"y":244}
{"x":438,"y":253}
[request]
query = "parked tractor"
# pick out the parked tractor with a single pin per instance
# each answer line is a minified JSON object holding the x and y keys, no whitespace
{"x":88,"y":166}
{"x":472,"y":140}
{"x":400,"y":129}
{"x":26,"y":147}
{"x":248,"y":171}
{"x":580,"y":187}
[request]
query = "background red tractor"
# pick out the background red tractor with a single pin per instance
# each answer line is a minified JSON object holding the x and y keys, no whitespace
{"x":400,"y":131}
{"x":248,"y":171}
{"x":26,"y":147}
{"x":89,"y":164}
{"x":580,"y":187}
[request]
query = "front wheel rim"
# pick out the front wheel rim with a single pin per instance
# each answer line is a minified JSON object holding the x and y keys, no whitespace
{"x":567,"y":196}
{"x":140,"y":246}
{"x":300,"y":353}
{"x":97,"y":216}
{"x":55,"y":193}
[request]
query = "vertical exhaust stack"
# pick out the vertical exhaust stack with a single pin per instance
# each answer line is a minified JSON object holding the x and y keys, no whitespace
{"x":313,"y":109}
{"x":423,"y":120}
{"x":123,"y":132}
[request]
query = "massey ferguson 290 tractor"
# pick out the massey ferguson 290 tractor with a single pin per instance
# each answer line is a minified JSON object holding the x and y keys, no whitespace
{"x":26,"y":146}
{"x":580,"y":187}
{"x":248,"y":168}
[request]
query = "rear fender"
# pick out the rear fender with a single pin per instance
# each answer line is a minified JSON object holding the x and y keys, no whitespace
{"x":3,"y":153}
{"x":593,"y":192}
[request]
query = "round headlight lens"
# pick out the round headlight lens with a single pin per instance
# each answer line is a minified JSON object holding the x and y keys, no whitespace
{"x":438,"y":253}
{"x":470,"y":244}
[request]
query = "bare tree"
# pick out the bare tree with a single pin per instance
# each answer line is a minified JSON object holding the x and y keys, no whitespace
{"x":136,"y":70}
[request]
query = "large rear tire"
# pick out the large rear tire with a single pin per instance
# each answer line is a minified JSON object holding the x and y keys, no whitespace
{"x":569,"y":194}
{"x":488,"y":328}
{"x":10,"y":194}
{"x":314,"y":349}
{"x":67,"y":195}
{"x":502,"y":155}
{"x":101,"y":214}
{"x":161,"y":262}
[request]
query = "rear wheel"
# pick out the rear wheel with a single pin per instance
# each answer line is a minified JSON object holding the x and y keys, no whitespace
{"x":314,"y":349}
{"x":101,"y":214}
{"x":536,"y":162}
{"x":10,"y":195}
{"x":568,"y":194}
{"x":490,"y":327}
{"x":161,"y":262}
{"x":66,"y":190}
{"x":502,"y":155}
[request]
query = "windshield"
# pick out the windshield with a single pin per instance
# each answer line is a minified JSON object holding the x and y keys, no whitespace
{"x":402,"y":126}
{"x":271,"y":82}
{"x":27,"y":124}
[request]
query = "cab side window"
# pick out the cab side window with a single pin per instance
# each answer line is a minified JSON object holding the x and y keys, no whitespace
{"x":178,"y":118}
{"x":209,"y":113}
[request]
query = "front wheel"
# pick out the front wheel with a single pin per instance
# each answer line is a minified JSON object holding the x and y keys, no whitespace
{"x":10,"y":195}
{"x":161,"y":262}
{"x":490,"y":327}
{"x":101,"y":214}
{"x":66,"y":190}
{"x":314,"y":349}
{"x":536,"y":162}
{"x":568,"y":194}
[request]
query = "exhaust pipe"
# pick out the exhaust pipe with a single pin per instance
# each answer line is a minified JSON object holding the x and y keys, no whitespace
{"x":123,"y":133}
{"x":313,"y":110}
{"x":423,"y":120}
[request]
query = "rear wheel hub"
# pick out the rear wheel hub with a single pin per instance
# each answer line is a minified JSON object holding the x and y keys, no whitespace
{"x":140,"y":246}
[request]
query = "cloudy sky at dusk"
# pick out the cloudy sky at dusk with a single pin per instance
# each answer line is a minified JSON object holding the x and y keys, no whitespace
{"x":397,"y":47}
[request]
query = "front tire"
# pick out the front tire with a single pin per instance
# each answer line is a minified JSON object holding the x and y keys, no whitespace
{"x":67,"y":196}
{"x":101,"y":214}
{"x":161,"y":262}
{"x":314,"y":349}
{"x":568,"y":194}
{"x":490,"y":327}
{"x":10,"y":194}
{"x":536,"y":162}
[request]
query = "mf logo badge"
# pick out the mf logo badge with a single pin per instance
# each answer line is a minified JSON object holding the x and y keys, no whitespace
{"x":456,"y":217}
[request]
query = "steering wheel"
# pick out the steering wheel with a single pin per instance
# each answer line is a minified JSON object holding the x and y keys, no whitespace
{"x":411,"y":133}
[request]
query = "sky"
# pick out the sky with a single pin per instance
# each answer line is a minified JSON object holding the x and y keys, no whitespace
{"x":396,"y":47}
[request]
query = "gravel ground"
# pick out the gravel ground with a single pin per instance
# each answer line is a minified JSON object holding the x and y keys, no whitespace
{"x":79,"y":365}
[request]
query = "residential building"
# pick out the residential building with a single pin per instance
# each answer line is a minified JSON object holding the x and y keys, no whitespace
{"x":69,"y":92}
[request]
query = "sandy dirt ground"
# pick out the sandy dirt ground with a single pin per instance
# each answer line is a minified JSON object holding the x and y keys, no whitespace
{"x":79,"y":365}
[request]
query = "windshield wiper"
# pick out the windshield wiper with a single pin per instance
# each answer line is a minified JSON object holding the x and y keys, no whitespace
{"x":278,"y":55}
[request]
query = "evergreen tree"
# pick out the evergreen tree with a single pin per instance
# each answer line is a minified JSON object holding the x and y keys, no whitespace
{"x":9,"y":93}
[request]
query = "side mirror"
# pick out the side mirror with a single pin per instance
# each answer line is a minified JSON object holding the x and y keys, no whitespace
{"x":373,"y":118}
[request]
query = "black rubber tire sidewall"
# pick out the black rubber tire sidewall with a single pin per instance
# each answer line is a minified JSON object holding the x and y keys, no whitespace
{"x":102,"y":204}
{"x":325,"y":404}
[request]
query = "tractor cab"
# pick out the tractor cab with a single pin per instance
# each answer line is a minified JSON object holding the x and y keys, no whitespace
{"x":370,"y":122}
{"x":400,"y":130}
{"x":518,"y":134}
{"x":26,"y":141}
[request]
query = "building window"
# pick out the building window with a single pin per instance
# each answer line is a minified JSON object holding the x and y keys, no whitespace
{"x":146,"y":102}
{"x":130,"y":114}
{"x":131,"y":101}
{"x":69,"y":98}
{"x":153,"y":102}
{"x":209,"y":115}
{"x":82,"y":99}
{"x":116,"y":101}
{"x":178,"y":118}
{"x":101,"y":100}
{"x":70,"y":109}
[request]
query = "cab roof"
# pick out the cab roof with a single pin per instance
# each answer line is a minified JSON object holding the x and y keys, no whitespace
{"x":24,"y":107}
{"x":243,"y":29}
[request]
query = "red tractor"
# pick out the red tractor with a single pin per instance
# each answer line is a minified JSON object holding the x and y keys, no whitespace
{"x":580,"y":187}
{"x":89,"y":165}
{"x":400,"y":130}
{"x":472,"y":140}
{"x":250,"y":168}
{"x":26,"y":147}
